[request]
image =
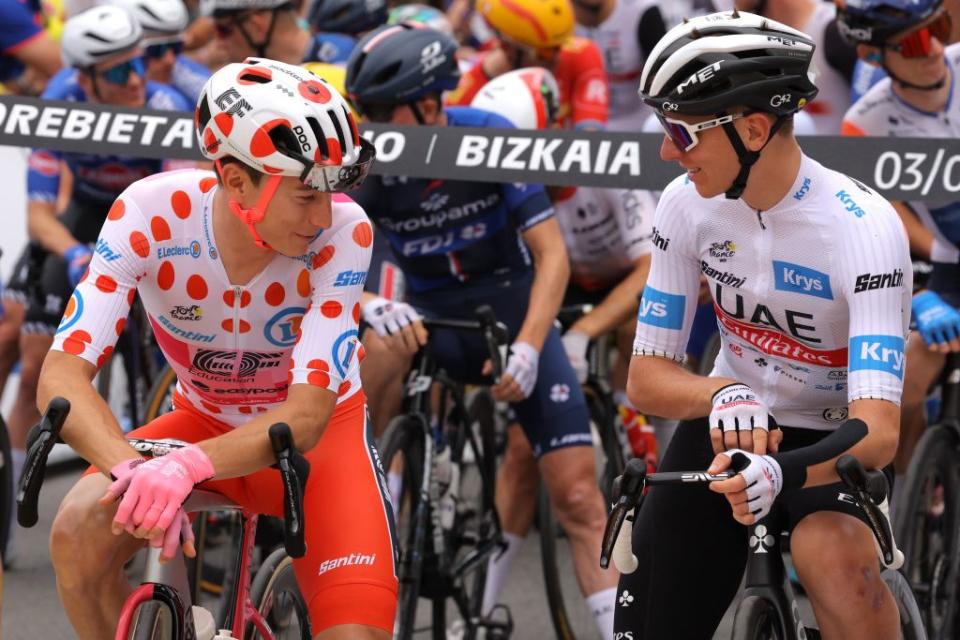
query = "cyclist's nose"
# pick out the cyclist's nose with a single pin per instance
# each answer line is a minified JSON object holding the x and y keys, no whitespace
{"x":668,"y":150}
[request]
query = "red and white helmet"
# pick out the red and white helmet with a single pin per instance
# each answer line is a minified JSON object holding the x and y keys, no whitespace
{"x":282,"y":120}
{"x":529,"y":98}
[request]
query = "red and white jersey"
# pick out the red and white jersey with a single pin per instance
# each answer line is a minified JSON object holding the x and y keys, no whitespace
{"x":812,"y":296}
{"x":605,"y":232}
{"x":235,"y":348}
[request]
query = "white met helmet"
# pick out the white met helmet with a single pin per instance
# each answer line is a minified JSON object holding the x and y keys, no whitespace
{"x":529,"y":98}
{"x":217,"y":7}
{"x":159,"y":18}
{"x":98,"y":34}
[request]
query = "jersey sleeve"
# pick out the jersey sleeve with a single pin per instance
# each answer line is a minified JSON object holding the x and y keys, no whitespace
{"x":43,"y":175}
{"x":19,"y":26}
{"x":670,"y":296}
{"x":470,"y":84}
{"x":98,"y":308}
{"x":590,"y":91}
{"x":634,"y":210}
{"x":877,"y":278}
{"x":328,"y":350}
{"x":529,"y":204}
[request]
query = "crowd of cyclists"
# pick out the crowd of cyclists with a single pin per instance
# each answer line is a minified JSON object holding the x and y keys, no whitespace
{"x":820,"y":342}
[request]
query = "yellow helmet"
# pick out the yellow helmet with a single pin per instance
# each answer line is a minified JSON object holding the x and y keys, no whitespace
{"x":335,"y":75}
{"x":535,"y":23}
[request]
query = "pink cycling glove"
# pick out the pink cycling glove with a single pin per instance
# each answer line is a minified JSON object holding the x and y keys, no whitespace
{"x":157,"y":490}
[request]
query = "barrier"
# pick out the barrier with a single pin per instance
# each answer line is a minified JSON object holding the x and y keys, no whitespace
{"x":901,"y":168}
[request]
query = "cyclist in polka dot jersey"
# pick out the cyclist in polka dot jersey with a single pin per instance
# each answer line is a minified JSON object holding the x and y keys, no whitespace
{"x":251,"y":278}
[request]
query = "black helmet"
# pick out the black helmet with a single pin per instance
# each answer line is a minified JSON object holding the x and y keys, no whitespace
{"x":347,"y":16}
{"x":874,"y":22}
{"x":399,"y":64}
{"x":711,"y":63}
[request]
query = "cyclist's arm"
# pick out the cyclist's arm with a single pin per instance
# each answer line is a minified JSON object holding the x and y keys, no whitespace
{"x":23,"y":39}
{"x":551,"y":273}
{"x":325,"y":359}
{"x":921,"y":238}
{"x":40,"y":53}
{"x":590,"y":93}
{"x":619,"y":304}
{"x":43,"y":189}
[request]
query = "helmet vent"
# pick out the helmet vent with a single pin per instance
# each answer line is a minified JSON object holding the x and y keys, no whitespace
{"x":203,"y":113}
{"x":254,"y":78}
{"x":320,"y":138}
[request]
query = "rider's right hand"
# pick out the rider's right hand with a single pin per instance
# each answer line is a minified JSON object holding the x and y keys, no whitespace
{"x":78,"y":258}
{"x":397,"y":323}
{"x":738,"y":420}
{"x":937,"y":322}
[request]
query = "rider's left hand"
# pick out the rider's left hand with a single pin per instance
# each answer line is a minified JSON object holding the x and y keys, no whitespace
{"x":752,"y":491}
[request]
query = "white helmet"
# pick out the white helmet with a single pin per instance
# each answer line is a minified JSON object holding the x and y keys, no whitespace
{"x":98,"y":34}
{"x":281,"y":119}
{"x":159,"y":18}
{"x":529,"y":98}
{"x":215,"y":7}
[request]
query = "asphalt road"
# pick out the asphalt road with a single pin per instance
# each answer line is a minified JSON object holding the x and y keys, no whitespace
{"x":32,"y":611}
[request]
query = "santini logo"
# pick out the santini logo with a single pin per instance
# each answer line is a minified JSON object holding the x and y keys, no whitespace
{"x":800,"y":279}
{"x":658,"y":240}
{"x":347,"y":561}
{"x":870,"y":281}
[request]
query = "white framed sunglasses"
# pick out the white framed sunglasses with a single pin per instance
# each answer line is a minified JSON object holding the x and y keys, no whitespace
{"x":684,"y":134}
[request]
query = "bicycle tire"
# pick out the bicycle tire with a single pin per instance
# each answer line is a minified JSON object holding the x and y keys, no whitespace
{"x":610,"y":466}
{"x":481,"y":411}
{"x":151,"y":623}
{"x":275,"y":594}
{"x":158,"y":401}
{"x":756,"y":619}
{"x":404,"y":436}
{"x":930,"y":541}
{"x":911,"y":621}
{"x":7,"y":489}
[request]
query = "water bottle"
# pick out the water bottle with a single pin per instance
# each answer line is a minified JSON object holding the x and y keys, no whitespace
{"x":203,"y":623}
{"x":225,"y":634}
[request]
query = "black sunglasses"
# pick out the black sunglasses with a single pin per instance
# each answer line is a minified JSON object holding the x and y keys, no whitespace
{"x":157,"y":51}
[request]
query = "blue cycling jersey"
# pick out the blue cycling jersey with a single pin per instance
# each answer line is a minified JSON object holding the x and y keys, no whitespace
{"x":445,"y":233}
{"x":20,"y":20}
{"x":332,"y":48}
{"x":97,"y":179}
{"x":188,"y":78}
{"x":864,"y":76}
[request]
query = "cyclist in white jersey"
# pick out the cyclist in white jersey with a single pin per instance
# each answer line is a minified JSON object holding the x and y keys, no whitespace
{"x":918,"y":99}
{"x":251,"y":278}
{"x":626,"y":31}
{"x":810,"y":277}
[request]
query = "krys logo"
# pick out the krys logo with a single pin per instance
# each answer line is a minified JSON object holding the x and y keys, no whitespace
{"x":661,"y":309}
{"x":283,"y":327}
{"x":799,"y":279}
{"x":879,"y":353}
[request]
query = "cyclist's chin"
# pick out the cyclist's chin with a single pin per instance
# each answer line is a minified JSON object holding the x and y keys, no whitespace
{"x":130,"y":99}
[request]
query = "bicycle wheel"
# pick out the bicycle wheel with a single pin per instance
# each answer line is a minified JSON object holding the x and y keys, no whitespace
{"x":160,"y":398}
{"x":403,"y":463}
{"x":927,"y":523}
{"x":275,"y":594}
{"x":7,"y":490}
{"x":153,"y":622}
{"x":756,"y":619}
{"x":610,"y":463}
{"x":911,"y":622}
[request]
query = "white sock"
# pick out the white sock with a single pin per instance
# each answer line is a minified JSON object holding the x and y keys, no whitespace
{"x":620,"y":397}
{"x":497,"y":568}
{"x":395,"y":486}
{"x":603,"y":604}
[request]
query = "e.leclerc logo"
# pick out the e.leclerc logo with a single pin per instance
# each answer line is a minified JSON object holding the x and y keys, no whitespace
{"x":282,"y":328}
{"x":73,"y":312}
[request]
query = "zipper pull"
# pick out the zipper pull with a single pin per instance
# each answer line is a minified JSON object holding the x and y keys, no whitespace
{"x":760,"y":219}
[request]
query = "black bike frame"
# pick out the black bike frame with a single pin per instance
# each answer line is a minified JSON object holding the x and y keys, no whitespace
{"x":766,"y":577}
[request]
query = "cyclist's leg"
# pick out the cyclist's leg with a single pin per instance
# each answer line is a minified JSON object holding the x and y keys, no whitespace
{"x":835,"y":557}
{"x":14,"y":308}
{"x":923,"y":368}
{"x":690,"y":549}
{"x":556,"y":421}
{"x":382,"y":374}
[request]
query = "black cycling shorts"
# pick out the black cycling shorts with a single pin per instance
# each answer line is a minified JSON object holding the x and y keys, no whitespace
{"x":692,"y":552}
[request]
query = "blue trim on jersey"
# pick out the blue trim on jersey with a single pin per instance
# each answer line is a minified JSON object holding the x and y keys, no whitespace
{"x":878,"y":353}
{"x":661,"y":309}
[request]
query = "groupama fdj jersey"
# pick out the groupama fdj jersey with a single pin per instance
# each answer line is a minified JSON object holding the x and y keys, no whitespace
{"x":812,"y":296}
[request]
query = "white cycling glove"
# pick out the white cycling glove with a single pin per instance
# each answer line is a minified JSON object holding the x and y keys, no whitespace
{"x":522,"y":365}
{"x":736,"y":407}
{"x":575,"y":343}
{"x":764,"y":480}
{"x":388,"y":316}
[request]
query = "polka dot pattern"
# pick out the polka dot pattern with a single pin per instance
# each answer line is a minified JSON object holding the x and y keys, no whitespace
{"x":140,"y":244}
{"x":117,"y":210}
{"x":275,"y":294}
{"x":106,"y":284}
{"x":246,"y":409}
{"x":261,"y":145}
{"x":180,"y":202}
{"x":131,"y":295}
{"x":363,"y":234}
{"x":319,"y":375}
{"x":209,"y":406}
{"x":356,"y":313}
{"x":303,"y":283}
{"x":196,"y":287}
{"x":343,"y":388}
{"x":159,"y":228}
{"x":102,"y":360}
{"x":224,"y":123}
{"x":207,"y":183}
{"x":77,"y":342}
{"x":331,"y":308}
{"x":230,"y":298}
{"x":165,"y":275}
{"x":121,"y":323}
{"x":228,"y":325}
{"x":324,"y":256}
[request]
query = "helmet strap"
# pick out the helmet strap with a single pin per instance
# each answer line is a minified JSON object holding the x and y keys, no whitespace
{"x":909,"y":85}
{"x":746,"y":157}
{"x":416,"y":112}
{"x":261,"y":47}
{"x":256,"y":213}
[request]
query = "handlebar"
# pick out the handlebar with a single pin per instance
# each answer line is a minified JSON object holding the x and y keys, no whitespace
{"x":495,"y":334}
{"x":870,"y":492}
{"x":39,"y":445}
{"x":281,"y":439}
